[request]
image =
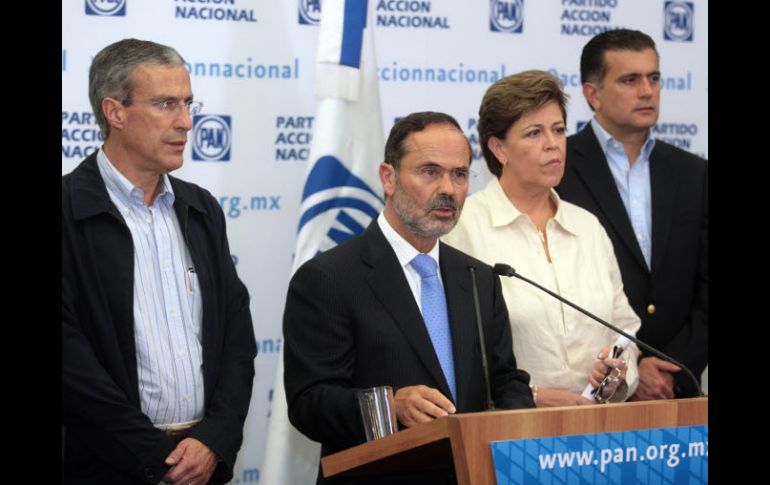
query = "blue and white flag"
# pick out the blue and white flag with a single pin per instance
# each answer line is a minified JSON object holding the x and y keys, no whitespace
{"x":342,"y":192}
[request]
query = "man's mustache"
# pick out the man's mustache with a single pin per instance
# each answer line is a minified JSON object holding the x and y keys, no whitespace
{"x":443,"y":202}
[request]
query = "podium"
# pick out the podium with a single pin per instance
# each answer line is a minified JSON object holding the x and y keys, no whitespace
{"x":462,"y":441}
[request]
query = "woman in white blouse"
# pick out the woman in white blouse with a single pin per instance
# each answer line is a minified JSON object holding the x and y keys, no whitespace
{"x":518,"y":219}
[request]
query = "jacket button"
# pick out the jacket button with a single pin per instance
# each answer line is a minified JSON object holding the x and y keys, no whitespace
{"x":149,"y":473}
{"x":651,"y":309}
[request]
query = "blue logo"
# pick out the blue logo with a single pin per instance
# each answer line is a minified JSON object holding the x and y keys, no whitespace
{"x":336,"y":203}
{"x":678,"y":21}
{"x":211,"y":138}
{"x":106,"y":8}
{"x":506,"y":16}
{"x":309,"y":12}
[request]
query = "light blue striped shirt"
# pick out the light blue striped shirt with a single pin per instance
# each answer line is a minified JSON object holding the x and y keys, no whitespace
{"x":167,"y":302}
{"x":633,"y":182}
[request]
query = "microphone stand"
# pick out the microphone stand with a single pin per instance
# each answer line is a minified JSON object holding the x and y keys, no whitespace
{"x":482,"y":342}
{"x":506,"y":270}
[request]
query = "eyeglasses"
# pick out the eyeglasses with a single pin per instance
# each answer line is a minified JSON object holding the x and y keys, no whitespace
{"x":171,"y":105}
{"x":608,"y":387}
{"x":434,"y":173}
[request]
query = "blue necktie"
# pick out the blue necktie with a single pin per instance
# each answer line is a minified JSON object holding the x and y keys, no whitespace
{"x":436,"y":317}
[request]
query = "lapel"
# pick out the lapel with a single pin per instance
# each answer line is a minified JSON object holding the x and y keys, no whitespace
{"x":187,"y":207}
{"x":462,"y":319}
{"x":591,"y":167}
{"x":388,"y":283}
{"x":664,"y":183}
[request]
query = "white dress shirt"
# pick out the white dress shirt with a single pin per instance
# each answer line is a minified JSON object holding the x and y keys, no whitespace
{"x":556,"y":344}
{"x":405,"y":253}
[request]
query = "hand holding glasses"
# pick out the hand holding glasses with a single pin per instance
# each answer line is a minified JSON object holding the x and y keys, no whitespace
{"x":613,"y":377}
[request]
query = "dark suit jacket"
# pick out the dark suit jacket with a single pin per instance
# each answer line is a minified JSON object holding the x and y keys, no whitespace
{"x":677,"y":284}
{"x":352,"y":322}
{"x":108,"y":438}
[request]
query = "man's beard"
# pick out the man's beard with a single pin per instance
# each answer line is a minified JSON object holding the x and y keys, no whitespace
{"x":419,"y":220}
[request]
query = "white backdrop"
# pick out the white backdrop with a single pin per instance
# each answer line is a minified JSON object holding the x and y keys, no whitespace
{"x":252,"y":64}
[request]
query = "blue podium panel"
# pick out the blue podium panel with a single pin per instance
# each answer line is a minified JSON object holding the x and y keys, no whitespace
{"x":646,"y":456}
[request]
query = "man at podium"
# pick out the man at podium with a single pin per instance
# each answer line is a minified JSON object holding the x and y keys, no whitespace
{"x":395,"y":307}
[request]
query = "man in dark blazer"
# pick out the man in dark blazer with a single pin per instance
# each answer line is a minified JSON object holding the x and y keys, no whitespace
{"x":353,"y":318}
{"x":157,"y":340}
{"x":652,"y":199}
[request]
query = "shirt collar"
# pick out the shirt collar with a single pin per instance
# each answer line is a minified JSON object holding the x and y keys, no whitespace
{"x":503,"y":212}
{"x":608,"y":142}
{"x":405,"y":252}
{"x":123,"y":188}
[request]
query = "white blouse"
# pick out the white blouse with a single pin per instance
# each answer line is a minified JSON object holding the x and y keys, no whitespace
{"x":556,"y":344}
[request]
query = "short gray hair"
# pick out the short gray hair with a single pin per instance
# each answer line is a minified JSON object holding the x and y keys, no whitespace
{"x":112,"y":72}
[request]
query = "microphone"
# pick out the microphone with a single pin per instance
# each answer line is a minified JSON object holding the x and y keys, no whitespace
{"x":482,"y":342}
{"x":506,"y":270}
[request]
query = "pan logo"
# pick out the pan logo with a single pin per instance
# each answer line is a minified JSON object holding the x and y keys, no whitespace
{"x":506,"y":16}
{"x":309,"y":12}
{"x":106,"y":8}
{"x":212,"y":137}
{"x":336,"y":203}
{"x":678,"y":21}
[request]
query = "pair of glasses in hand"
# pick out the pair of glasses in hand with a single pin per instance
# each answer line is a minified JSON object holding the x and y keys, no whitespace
{"x":612,"y":380}
{"x":609,"y":386}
